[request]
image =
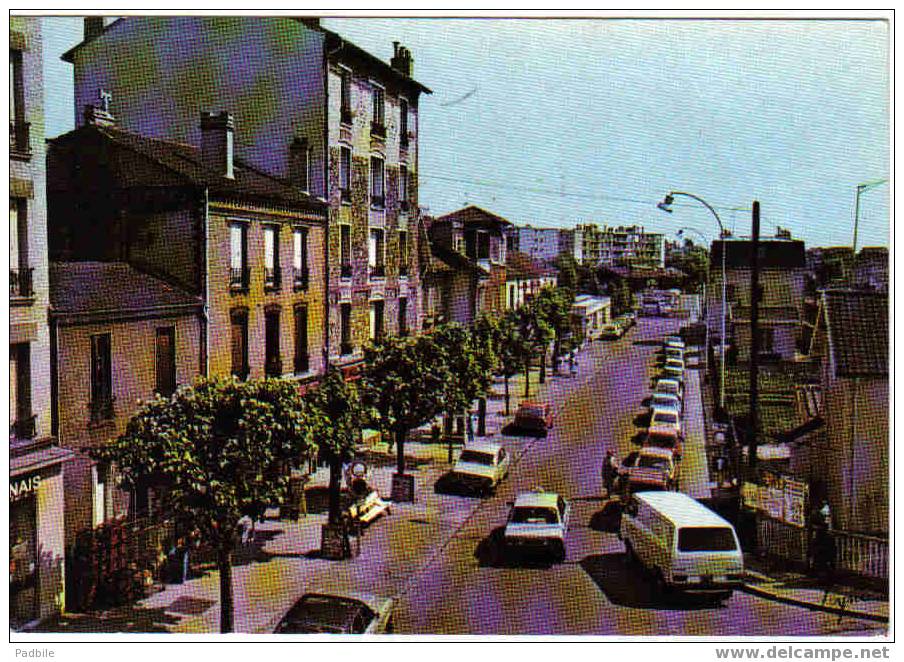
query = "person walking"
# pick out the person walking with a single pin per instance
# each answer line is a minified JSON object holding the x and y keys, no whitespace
{"x":610,"y":472}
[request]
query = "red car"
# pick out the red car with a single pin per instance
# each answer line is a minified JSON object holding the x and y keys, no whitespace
{"x":534,"y":417}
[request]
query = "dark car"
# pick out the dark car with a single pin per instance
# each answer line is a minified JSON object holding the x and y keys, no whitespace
{"x":534,"y":417}
{"x":319,"y":613}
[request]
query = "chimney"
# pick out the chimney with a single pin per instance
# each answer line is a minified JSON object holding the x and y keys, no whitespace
{"x":216,"y":142}
{"x":100,"y":115}
{"x":401,"y":59}
{"x":94,"y":27}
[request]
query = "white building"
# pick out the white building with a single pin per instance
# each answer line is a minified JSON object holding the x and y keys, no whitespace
{"x":590,"y":314}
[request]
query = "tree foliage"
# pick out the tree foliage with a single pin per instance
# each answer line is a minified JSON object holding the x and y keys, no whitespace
{"x":623,"y":299}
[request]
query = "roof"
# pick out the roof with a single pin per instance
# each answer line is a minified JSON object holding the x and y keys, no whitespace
{"x":184,"y":162}
{"x":520,"y":266}
{"x":681,"y":509}
{"x":455,"y":260}
{"x":111,"y":287}
{"x":857,"y":326}
{"x":774,"y":253}
{"x":474,"y":215}
{"x":537,"y":499}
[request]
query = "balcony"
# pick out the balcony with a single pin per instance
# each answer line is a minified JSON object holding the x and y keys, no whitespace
{"x":377,"y":201}
{"x":345,"y":270}
{"x":345,"y":348}
{"x":300,"y":278}
{"x":19,"y":138}
{"x":272,"y":278}
{"x":378,"y":271}
{"x":24,"y":428}
{"x":102,"y":409}
{"x":302,"y":363}
{"x":378,"y":129}
{"x":239,"y":278}
{"x":345,"y":116}
{"x":20,"y":283}
{"x":273,"y":366}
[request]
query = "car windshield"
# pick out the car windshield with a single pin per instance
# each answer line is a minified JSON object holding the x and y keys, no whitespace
{"x":706,"y":539}
{"x":477,"y":457}
{"x":661,"y":440}
{"x":665,"y":387}
{"x":323,"y":613}
{"x":665,"y":417}
{"x":535,"y":515}
{"x":653,"y":462}
{"x":663,"y":401}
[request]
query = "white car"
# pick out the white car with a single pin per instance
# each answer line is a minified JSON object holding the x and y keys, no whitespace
{"x":348,"y":613}
{"x":665,"y":420}
{"x":673,"y":353}
{"x":673,"y":369}
{"x":673,"y":341}
{"x":669,"y":387}
{"x":537,"y":524}
{"x":652,"y":468}
{"x":665,"y":401}
{"x":481,"y":467}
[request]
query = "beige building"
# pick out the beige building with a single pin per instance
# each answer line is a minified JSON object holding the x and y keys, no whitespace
{"x":619,"y":246}
{"x":119,"y":337}
{"x":36,"y":548}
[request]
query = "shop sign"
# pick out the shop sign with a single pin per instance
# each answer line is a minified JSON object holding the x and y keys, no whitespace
{"x":19,"y":488}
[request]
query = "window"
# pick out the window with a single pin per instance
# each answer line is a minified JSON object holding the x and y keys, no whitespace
{"x":300,"y":163}
{"x":376,"y":250}
{"x":403,"y":187}
{"x":403,"y":122}
{"x":272,"y":356}
{"x":238,"y":247}
{"x":166,"y":361}
{"x":403,"y":253}
{"x":271,"y":257}
{"x":239,"y":323}
{"x":101,"y":405}
{"x":345,"y":328}
{"x":483,"y":246}
{"x":300,"y":258}
{"x":19,"y":271}
{"x":18,"y":127}
{"x":22,"y":423}
{"x":302,"y":363}
{"x":345,"y":251}
{"x":706,"y":539}
{"x":403,"y":316}
{"x":376,"y":182}
{"x":345,"y":173}
{"x":379,"y":100}
{"x":376,"y":321}
{"x":345,"y":96}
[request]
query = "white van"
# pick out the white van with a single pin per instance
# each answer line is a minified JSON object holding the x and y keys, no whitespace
{"x":684,"y":544}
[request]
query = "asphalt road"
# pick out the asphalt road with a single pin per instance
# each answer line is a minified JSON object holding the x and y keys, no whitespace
{"x":468,"y":588}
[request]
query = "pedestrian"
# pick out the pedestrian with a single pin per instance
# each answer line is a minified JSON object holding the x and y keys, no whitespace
{"x":573,"y":363}
{"x":610,"y":472}
{"x":245,"y":525}
{"x":720,"y":470}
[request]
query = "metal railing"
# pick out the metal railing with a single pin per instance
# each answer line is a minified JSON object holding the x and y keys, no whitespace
{"x":300,"y":278}
{"x":272,"y":278}
{"x":861,"y":554}
{"x":24,"y":428}
{"x":20,"y":282}
{"x":19,"y":137}
{"x":345,"y":348}
{"x":239,"y":277}
{"x":378,"y":271}
{"x":345,"y":271}
{"x":273,"y":367}
{"x":378,"y":129}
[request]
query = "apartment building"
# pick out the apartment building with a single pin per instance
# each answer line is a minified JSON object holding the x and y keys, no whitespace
{"x":314,"y":111}
{"x":539,"y":243}
{"x":36,"y":495}
{"x":631,"y":246}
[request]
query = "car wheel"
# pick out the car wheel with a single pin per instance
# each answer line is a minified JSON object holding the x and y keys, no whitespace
{"x":662,"y":585}
{"x":558,"y":554}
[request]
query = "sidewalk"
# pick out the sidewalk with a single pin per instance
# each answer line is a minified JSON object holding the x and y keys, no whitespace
{"x":815,"y":594}
{"x":284,"y":560}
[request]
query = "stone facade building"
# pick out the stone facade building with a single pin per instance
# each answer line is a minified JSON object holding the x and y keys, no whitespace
{"x":312,"y":110}
{"x":36,"y":463}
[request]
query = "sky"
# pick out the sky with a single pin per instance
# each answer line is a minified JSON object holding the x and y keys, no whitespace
{"x":558,"y":122}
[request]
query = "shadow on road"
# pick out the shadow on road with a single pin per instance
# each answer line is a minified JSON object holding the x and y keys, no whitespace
{"x":628,"y":585}
{"x":608,"y":518}
{"x":647,"y":343}
{"x":642,"y":420}
{"x":446,"y":484}
{"x":123,"y":619}
{"x":491,"y":552}
{"x":511,"y":430}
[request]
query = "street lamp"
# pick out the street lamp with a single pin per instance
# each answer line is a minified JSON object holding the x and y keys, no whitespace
{"x":666,"y":205}
{"x":860,"y":189}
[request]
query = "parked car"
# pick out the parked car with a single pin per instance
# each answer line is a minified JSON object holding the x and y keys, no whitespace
{"x":664,"y":439}
{"x":674,"y":341}
{"x":612,"y":331}
{"x":665,"y":401}
{"x":685,"y":545}
{"x":537,"y":524}
{"x":665,"y":420}
{"x":673,"y":369}
{"x":350,"y":613}
{"x":671,"y":352}
{"x":651,"y":468}
{"x":534,"y":417}
{"x":481,"y":467}
{"x":670,"y":387}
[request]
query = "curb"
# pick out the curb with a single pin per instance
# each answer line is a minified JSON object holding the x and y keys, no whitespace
{"x":769,"y":595}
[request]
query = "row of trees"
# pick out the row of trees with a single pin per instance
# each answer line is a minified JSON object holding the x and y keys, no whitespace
{"x":222,"y":449}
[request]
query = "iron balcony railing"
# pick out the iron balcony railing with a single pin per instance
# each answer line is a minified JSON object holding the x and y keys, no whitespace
{"x":19,"y":137}
{"x":272,"y":278}
{"x":300,"y":278}
{"x":24,"y":428}
{"x":378,"y":129}
{"x":377,"y":271}
{"x":20,"y":282}
{"x":239,"y":277}
{"x":273,"y":367}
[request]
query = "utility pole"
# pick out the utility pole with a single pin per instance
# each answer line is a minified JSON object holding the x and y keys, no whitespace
{"x":755,"y":293}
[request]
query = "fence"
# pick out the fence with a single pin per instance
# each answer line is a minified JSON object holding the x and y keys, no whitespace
{"x":777,"y":539}
{"x":862,"y":555}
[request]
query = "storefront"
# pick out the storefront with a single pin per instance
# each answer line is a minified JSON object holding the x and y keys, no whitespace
{"x":36,"y":546}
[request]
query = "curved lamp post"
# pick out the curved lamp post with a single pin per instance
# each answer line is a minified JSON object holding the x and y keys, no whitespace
{"x":666,"y":205}
{"x":860,"y":190}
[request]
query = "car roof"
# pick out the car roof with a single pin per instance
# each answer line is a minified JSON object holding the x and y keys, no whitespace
{"x":537,"y":499}
{"x":667,"y":381}
{"x":655,"y":451}
{"x":681,"y":509}
{"x":374,"y":602}
{"x":483,"y":447}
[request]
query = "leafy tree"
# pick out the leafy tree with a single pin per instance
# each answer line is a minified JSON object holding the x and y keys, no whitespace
{"x":335,"y":412}
{"x":553,"y":304}
{"x":623,"y":299}
{"x":532,"y":334}
{"x":215,"y":452}
{"x":403,"y":385}
{"x":508,"y":349}
{"x":567,"y":267}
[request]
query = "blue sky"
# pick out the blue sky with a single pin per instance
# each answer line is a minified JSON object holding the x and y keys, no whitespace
{"x":615,"y":113}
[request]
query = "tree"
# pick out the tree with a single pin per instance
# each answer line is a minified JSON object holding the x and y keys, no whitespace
{"x":403,"y":385}
{"x":215,"y":452}
{"x":553,"y":305}
{"x":532,"y":333}
{"x":623,"y":299}
{"x":508,"y":347}
{"x":567,"y":267}
{"x":335,"y":412}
